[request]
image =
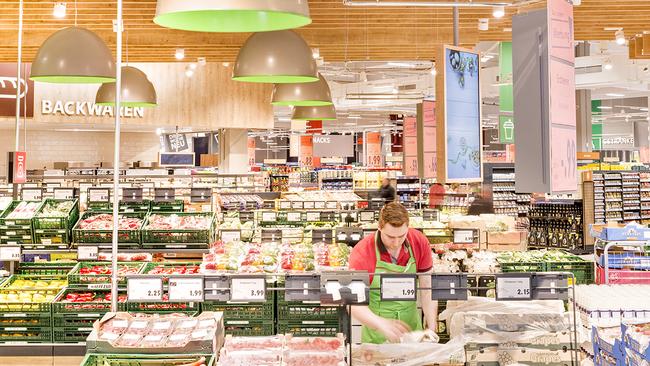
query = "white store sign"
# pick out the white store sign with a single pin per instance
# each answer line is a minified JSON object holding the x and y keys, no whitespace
{"x":72,"y":108}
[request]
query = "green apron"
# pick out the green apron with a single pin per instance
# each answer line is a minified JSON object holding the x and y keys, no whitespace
{"x":405,"y":311}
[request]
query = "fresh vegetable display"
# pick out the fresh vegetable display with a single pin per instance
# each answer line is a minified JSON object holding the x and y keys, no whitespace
{"x":89,"y":300}
{"x":126,"y":257}
{"x":25,"y":296}
{"x":106,"y":270}
{"x":240,"y":257}
{"x":35,"y":284}
{"x":56,"y":209}
{"x":332,"y":255}
{"x":105,"y":222}
{"x":178,"y":222}
{"x":94,"y":272}
{"x":297,"y":257}
{"x":24,"y":210}
{"x":538,"y":256}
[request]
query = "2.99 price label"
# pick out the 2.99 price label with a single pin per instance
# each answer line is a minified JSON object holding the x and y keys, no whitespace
{"x":398,"y":288}
{"x":248,"y":289}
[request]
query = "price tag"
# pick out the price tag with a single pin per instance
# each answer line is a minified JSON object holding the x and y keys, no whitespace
{"x":186,"y":289}
{"x":296,"y":205}
{"x":10,"y":253}
{"x":285,"y":205}
{"x":229,"y":236}
{"x":513,"y":288}
{"x":331,"y":205}
{"x":294,"y":217}
{"x":248,"y":289}
{"x":145,"y":289}
{"x":319,"y":204}
{"x":398,"y":288}
{"x":63,"y":193}
{"x":98,"y":195}
{"x":367,"y":216}
{"x":463,"y":236}
{"x":87,"y":253}
{"x":32,"y":194}
{"x":308,"y":205}
{"x":269,"y":217}
{"x":313,"y":216}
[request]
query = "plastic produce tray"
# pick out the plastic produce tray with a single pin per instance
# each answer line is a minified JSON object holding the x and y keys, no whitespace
{"x":21,"y":307}
{"x":79,"y":309}
{"x":106,"y":236}
{"x":583,"y":270}
{"x":148,"y":267}
{"x":45,"y":268}
{"x":163,"y":307}
{"x":242,"y":312}
{"x":26,"y":335}
{"x":176,"y":206}
{"x":313,"y":328}
{"x":53,"y":222}
{"x":202,"y":236}
{"x":17,"y":239}
{"x":249,"y":328}
{"x":93,"y":359}
{"x":25,"y":320}
{"x":71,"y":335}
{"x":522,"y":266}
{"x":76,"y":321}
{"x":76,"y":279}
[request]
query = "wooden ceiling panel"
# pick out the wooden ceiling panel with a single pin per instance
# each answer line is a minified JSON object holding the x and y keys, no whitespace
{"x":340,"y":32}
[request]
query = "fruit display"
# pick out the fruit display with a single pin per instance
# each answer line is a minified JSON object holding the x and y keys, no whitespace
{"x":126,"y":257}
{"x":332,"y":256}
{"x":173,"y":269}
{"x":75,"y":301}
{"x":23,"y":297}
{"x":105,"y":222}
{"x":178,"y":222}
{"x":56,"y":209}
{"x":242,"y":258}
{"x":455,"y":261}
{"x":537,"y":256}
{"x":24,"y":210}
{"x":260,"y":258}
{"x":297,"y":258}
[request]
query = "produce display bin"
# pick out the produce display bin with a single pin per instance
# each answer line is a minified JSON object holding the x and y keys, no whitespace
{"x":522,"y":266}
{"x":259,"y":312}
{"x":106,"y":236}
{"x":312,"y":328}
{"x":176,"y":206}
{"x":76,"y":309}
{"x":45,"y":268}
{"x":93,"y":359}
{"x":16,"y":239}
{"x":131,"y":207}
{"x":249,"y":328}
{"x":583,"y":270}
{"x":26,"y":309}
{"x":180,"y":267}
{"x":294,"y":312}
{"x":57,"y":238}
{"x":99,"y":281}
{"x":25,"y":320}
{"x":189,"y":237}
{"x":17,"y":224}
{"x":26,"y":334}
{"x":40,"y":282}
{"x":54,"y":222}
{"x":72,"y":335}
{"x":163,"y":307}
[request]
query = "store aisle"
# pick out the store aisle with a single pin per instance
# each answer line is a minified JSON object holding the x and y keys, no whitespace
{"x":42,"y":361}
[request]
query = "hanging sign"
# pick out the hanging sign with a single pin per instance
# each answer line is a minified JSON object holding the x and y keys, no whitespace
{"x":427,"y":136}
{"x":333,"y":145}
{"x":410,"y":166}
{"x":164,"y":195}
{"x":99,"y":195}
{"x":32,"y":194}
{"x":306,"y":151}
{"x":373,"y":150}
{"x":251,"y":151}
{"x":17,"y":167}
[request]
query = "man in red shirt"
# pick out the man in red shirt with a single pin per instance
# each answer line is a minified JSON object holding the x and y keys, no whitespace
{"x":394,"y":248}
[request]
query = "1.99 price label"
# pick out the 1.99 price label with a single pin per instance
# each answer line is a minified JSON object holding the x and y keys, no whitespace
{"x":186,"y":289}
{"x":398,"y":288}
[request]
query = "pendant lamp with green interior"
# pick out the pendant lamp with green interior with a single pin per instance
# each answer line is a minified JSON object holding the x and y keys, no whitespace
{"x":232,"y":15}
{"x":73,"y":55}
{"x":137,"y":90}
{"x":303,"y":94}
{"x":275,"y":57}
{"x":322,"y":113}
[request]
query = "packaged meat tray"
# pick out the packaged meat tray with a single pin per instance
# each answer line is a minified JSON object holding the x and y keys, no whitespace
{"x":97,"y":228}
{"x":150,"y":333}
{"x":307,"y":358}
{"x":97,"y":275}
{"x":179,"y":228}
{"x":275,"y":342}
{"x":93,"y":359}
{"x":250,"y":357}
{"x":315,"y":344}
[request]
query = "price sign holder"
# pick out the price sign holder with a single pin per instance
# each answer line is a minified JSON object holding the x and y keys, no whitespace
{"x":331,"y":205}
{"x":164,"y":195}
{"x":349,"y":216}
{"x":465,"y":236}
{"x":285,"y":205}
{"x":551,"y":286}
{"x":327,"y":216}
{"x":397,"y":287}
{"x":367,"y":216}
{"x":217,"y":288}
{"x":65,"y":194}
{"x":99,"y":195}
{"x":309,"y":205}
{"x":319,"y":205}
{"x":31,"y":194}
{"x":201,"y":195}
{"x":302,"y":287}
{"x":313,"y":216}
{"x":271,"y":235}
{"x":50,"y":186}
{"x":10,"y":253}
{"x":297,"y":205}
{"x":230,"y":235}
{"x":144,"y":288}
{"x":430,"y":215}
{"x":248,"y":289}
{"x":269,"y":216}
{"x":246,"y":216}
{"x":322,"y":236}
{"x":514,"y":286}
{"x":132,"y":195}
{"x":186,"y":288}
{"x":348,"y":235}
{"x":352,"y":287}
{"x":294,"y":216}
{"x":449,"y":287}
{"x":87,"y":252}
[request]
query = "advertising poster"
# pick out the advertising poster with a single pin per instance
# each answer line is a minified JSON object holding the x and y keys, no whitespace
{"x":251,"y":151}
{"x":8,"y":86}
{"x":410,"y":147}
{"x":429,"y":139}
{"x":462,"y":116}
{"x":306,"y":151}
{"x":373,"y":150}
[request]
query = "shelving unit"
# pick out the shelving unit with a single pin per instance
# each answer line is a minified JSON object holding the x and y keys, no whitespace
{"x":408,"y":189}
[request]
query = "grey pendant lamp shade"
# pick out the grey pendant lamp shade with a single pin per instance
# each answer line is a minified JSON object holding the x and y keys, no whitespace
{"x":73,"y":55}
{"x":275,"y":57}
{"x":232,"y":15}
{"x":322,"y":113}
{"x":303,"y":94}
{"x":137,"y":90}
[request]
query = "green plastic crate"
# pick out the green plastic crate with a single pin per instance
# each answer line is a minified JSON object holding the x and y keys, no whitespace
{"x":130,"y":207}
{"x":26,"y":334}
{"x":25,"y":320}
{"x":76,"y":279}
{"x":71,"y":335}
{"x":52,"y":237}
{"x":583,"y":270}
{"x":204,"y":236}
{"x":57,"y":222}
{"x":522,"y":266}
{"x":148,"y":267}
{"x":176,"y":206}
{"x":93,"y":359}
{"x":6,"y":223}
{"x":35,"y":277}
{"x":263,"y":311}
{"x":248,"y":328}
{"x":45,"y":268}
{"x":106,"y":236}
{"x":294,"y":312}
{"x":19,"y":239}
{"x":61,"y":308}
{"x":163,"y":307}
{"x":16,"y":232}
{"x":313,"y":328}
{"x":76,"y":321}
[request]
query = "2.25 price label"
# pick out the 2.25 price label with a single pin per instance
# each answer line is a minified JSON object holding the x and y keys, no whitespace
{"x":144,"y":289}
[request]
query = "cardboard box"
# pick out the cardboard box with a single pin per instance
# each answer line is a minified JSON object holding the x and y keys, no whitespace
{"x":495,"y":356}
{"x":505,"y":241}
{"x":209,"y":160}
{"x":631,"y":232}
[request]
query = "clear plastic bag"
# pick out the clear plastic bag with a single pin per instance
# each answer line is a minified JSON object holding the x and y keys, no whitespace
{"x":409,"y":354}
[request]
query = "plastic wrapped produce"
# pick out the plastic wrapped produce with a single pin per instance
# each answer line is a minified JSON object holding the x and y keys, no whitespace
{"x":105,"y":222}
{"x":250,"y":357}
{"x":177,"y":222}
{"x":56,"y":209}
{"x":316,"y":344}
{"x":409,"y":354}
{"x":253,"y":343}
{"x":24,"y":210}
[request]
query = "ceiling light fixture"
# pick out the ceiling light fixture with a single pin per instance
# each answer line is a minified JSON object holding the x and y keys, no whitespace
{"x":137,"y":90}
{"x":315,"y":53}
{"x":201,"y":61}
{"x":607,"y":65}
{"x":322,"y":113}
{"x":302,"y":94}
{"x":275,"y":57}
{"x":429,"y":4}
{"x":232,"y":15}
{"x":59,"y":10}
{"x":604,"y":107}
{"x":73,"y":55}
{"x":499,"y":11}
{"x":179,"y":54}
{"x":225,"y":64}
{"x":192,"y":66}
{"x":620,"y":37}
{"x":189,"y":72}
{"x":616,"y":95}
{"x":395,"y":90}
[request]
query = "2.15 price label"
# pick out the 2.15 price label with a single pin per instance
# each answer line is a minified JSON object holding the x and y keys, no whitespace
{"x":248,"y":289}
{"x":186,"y":289}
{"x":398,"y":288}
{"x":514,"y":288}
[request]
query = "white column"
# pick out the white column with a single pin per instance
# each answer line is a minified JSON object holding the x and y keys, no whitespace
{"x":234,"y":159}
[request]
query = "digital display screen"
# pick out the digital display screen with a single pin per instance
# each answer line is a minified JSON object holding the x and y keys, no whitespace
{"x":168,"y":159}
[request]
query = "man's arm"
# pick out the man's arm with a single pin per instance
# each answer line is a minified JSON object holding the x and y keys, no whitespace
{"x":429,"y":307}
{"x":392,"y":329}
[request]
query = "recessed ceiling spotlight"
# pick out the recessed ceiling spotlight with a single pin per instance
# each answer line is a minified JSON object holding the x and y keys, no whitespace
{"x":179,"y":54}
{"x":315,"y":52}
{"x":202,"y":61}
{"x":395,"y":90}
{"x":499,"y":11}
{"x":225,"y":64}
{"x":59,"y":10}
{"x":620,"y":37}
{"x":189,"y":72}
{"x":607,"y":65}
{"x":616,"y":95}
{"x":192,"y":66}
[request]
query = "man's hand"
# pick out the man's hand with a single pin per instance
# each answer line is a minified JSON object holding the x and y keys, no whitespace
{"x":392,"y":329}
